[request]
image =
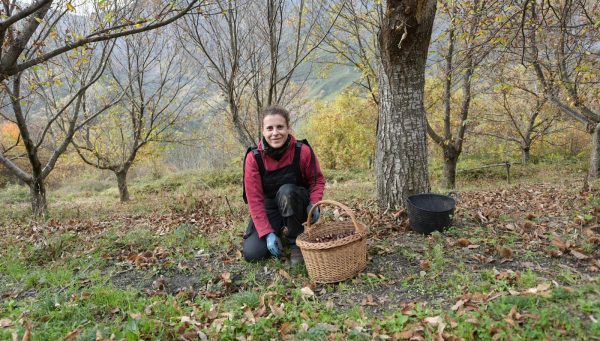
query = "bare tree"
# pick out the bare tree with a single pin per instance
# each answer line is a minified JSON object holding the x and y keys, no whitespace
{"x":472,"y":27}
{"x":50,"y":127}
{"x":29,"y":34}
{"x":402,"y":130}
{"x":151,"y":73}
{"x":560,"y":42}
{"x":32,"y":37}
{"x":353,"y":41}
{"x":253,"y":58}
{"x":520,"y":114}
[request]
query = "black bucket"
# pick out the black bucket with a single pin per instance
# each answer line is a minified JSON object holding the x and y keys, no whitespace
{"x":430,"y":212}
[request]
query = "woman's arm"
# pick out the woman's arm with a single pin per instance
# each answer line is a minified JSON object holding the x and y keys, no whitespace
{"x":256,"y":198}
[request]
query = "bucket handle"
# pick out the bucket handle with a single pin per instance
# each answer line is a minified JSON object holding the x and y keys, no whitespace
{"x":359,"y":228}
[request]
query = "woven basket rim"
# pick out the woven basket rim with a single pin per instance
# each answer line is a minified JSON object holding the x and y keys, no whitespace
{"x":304,"y":240}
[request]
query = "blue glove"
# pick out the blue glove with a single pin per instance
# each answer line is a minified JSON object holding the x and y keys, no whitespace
{"x":274,"y":244}
{"x":316,"y":213}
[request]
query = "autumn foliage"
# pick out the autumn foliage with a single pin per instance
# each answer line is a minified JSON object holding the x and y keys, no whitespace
{"x":343,"y":131}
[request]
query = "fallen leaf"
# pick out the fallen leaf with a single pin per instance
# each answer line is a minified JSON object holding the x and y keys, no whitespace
{"x":72,"y":335}
{"x":226,"y":277}
{"x":458,"y":305}
{"x":368,"y":300}
{"x":260,"y":311}
{"x":328,"y":327}
{"x":472,"y":320}
{"x":425,"y":265}
{"x":284,"y":274}
{"x":463,"y":242}
{"x":579,"y":255}
{"x":554,"y":253}
{"x":329,"y":304}
{"x":439,"y":322}
{"x":352,"y":324}
{"x":5,"y":323}
{"x":249,"y":316}
{"x":307,"y":292}
{"x":408,"y":309}
{"x":27,"y":335}
{"x":435,"y":320}
{"x":559,"y":243}
{"x":528,"y":226}
{"x":212,"y":313}
{"x":277,"y":311}
{"x":189,"y":336}
{"x":505,"y":252}
{"x":405,"y":335}
{"x":159,"y":284}
{"x":481,"y":217}
{"x":135,"y":316}
{"x":539,"y":289}
{"x":285,"y":328}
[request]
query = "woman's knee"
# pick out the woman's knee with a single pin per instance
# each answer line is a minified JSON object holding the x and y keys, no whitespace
{"x":287,"y":191}
{"x":255,"y":249}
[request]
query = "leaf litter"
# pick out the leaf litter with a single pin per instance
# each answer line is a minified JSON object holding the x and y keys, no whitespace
{"x":493,"y":229}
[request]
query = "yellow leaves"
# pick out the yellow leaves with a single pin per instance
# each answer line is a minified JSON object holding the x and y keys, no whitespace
{"x":343,"y":131}
{"x":9,"y":131}
{"x":70,"y":7}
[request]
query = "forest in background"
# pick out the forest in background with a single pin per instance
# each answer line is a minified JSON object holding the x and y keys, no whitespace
{"x":123,"y":126}
{"x":188,"y":95}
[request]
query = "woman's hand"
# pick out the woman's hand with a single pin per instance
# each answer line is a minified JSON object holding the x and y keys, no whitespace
{"x":316,"y":213}
{"x":274,"y":244}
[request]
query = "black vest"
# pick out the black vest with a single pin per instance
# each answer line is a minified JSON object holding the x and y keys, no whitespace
{"x":290,"y":174}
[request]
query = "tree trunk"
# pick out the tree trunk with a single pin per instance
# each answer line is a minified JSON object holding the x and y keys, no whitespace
{"x":402,"y":130}
{"x":122,"y":183}
{"x":450,"y":161}
{"x":595,"y":154}
{"x":39,"y":206}
{"x":525,"y":155}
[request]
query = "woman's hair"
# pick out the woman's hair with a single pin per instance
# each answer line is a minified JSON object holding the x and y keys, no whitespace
{"x":277,"y":110}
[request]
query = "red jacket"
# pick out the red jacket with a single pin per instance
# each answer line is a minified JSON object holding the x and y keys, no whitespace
{"x":253,"y":181}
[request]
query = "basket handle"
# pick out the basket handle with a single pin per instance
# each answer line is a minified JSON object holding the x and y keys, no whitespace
{"x":359,"y":228}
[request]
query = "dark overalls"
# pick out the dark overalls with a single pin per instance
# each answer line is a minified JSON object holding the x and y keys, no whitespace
{"x":286,"y":198}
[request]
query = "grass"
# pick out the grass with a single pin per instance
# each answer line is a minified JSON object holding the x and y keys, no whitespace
{"x":96,"y":266}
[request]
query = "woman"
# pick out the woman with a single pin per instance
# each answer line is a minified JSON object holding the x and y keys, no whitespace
{"x":282,"y":181}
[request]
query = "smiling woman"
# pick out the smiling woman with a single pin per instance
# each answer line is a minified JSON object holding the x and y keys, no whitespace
{"x":282,"y":181}
{"x":275,"y":130}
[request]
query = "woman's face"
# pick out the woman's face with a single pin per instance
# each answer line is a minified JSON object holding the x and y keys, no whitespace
{"x":275,"y":130}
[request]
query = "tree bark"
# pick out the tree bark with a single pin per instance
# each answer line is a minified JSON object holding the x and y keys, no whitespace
{"x":122,"y":183}
{"x":525,"y":154}
{"x":595,"y":153}
{"x":450,"y":161}
{"x":39,"y":206}
{"x":402,"y":130}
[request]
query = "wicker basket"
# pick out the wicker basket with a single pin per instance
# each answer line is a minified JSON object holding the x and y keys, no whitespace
{"x":338,"y":260}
